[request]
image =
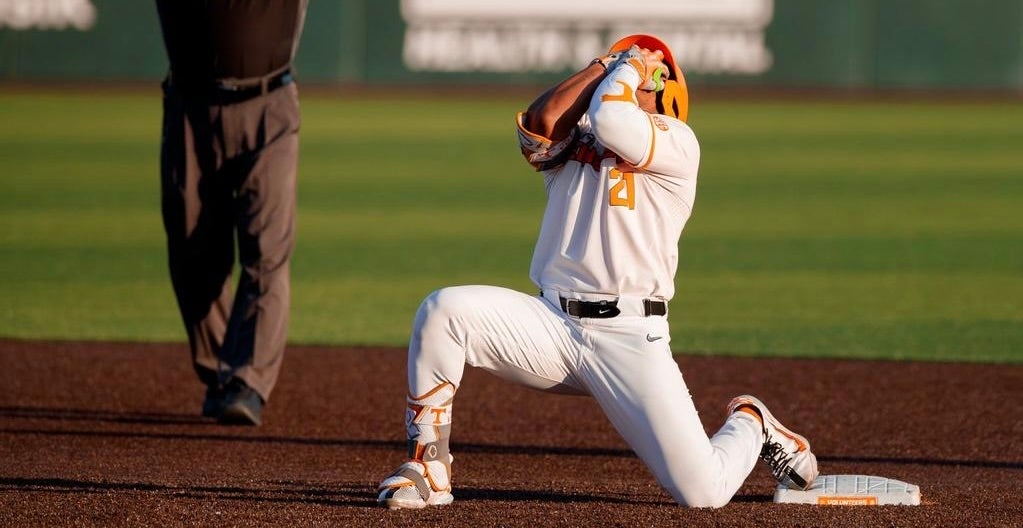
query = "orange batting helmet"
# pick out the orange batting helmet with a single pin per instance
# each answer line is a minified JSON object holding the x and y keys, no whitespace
{"x":674,"y":99}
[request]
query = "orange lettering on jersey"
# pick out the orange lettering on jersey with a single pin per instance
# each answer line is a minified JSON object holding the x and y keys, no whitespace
{"x":623,"y":192}
{"x":438,"y":414}
{"x":625,"y":97}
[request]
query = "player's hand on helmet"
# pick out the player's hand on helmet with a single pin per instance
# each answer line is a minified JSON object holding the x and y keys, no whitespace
{"x":618,"y":58}
{"x":608,"y":60}
{"x":649,"y":64}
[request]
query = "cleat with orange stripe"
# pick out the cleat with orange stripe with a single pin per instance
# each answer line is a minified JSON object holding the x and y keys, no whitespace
{"x":425,"y":477}
{"x":412,"y":487}
{"x":786,"y":453}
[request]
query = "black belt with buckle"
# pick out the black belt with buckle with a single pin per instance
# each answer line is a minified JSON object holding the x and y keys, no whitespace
{"x":608,"y":309}
{"x":225,"y":93}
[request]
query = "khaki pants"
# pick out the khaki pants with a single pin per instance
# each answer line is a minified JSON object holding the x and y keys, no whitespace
{"x":228,"y":174}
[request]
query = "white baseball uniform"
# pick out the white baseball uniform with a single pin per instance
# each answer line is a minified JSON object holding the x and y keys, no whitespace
{"x":620,"y":189}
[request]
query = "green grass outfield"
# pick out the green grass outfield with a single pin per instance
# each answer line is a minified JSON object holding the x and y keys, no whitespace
{"x":880,"y":230}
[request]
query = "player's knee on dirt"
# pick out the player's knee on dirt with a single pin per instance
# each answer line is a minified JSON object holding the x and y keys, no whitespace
{"x":689,"y":491}
{"x":696,"y":497}
{"x":703,"y":500}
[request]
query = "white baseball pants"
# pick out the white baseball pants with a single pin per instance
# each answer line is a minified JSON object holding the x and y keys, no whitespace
{"x":625,"y":363}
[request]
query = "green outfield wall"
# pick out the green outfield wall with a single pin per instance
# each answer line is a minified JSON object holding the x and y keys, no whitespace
{"x":946,"y":44}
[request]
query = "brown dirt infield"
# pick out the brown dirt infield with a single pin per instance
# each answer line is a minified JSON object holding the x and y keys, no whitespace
{"x":102,"y":434}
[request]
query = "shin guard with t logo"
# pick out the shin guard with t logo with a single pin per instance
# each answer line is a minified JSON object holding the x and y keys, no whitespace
{"x":428,"y":423}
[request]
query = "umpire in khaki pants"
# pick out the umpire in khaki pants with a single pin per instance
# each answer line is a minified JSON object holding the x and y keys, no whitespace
{"x":228,"y":169}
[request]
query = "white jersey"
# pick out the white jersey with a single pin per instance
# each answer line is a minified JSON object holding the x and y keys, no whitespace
{"x":620,"y":189}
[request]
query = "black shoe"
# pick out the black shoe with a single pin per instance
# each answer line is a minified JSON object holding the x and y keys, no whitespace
{"x":242,"y":405}
{"x":213,"y":405}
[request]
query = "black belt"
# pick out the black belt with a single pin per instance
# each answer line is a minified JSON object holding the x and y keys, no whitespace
{"x":224,"y":92}
{"x":608,"y":309}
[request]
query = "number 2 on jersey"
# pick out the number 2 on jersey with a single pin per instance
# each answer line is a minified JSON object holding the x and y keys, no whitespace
{"x":623,"y":192}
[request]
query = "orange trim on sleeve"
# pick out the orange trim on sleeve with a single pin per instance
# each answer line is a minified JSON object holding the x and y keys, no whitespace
{"x":653,"y":144}
{"x":627,"y":96}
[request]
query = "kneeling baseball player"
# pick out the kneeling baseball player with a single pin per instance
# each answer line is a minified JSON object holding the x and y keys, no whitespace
{"x":619,"y":165}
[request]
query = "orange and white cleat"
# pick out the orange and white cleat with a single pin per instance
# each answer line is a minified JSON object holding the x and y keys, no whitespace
{"x":412,"y":486}
{"x":786,"y":453}
{"x":425,"y":477}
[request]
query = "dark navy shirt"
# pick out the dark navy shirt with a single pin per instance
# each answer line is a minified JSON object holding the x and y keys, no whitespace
{"x":210,"y":40}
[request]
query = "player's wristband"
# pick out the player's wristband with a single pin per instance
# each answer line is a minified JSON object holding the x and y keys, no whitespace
{"x":599,"y":61}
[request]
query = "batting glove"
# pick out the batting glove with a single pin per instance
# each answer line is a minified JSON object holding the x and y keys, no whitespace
{"x":649,"y":64}
{"x":607,"y":60}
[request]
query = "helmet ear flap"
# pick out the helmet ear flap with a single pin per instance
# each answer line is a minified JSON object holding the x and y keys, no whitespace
{"x":674,"y":100}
